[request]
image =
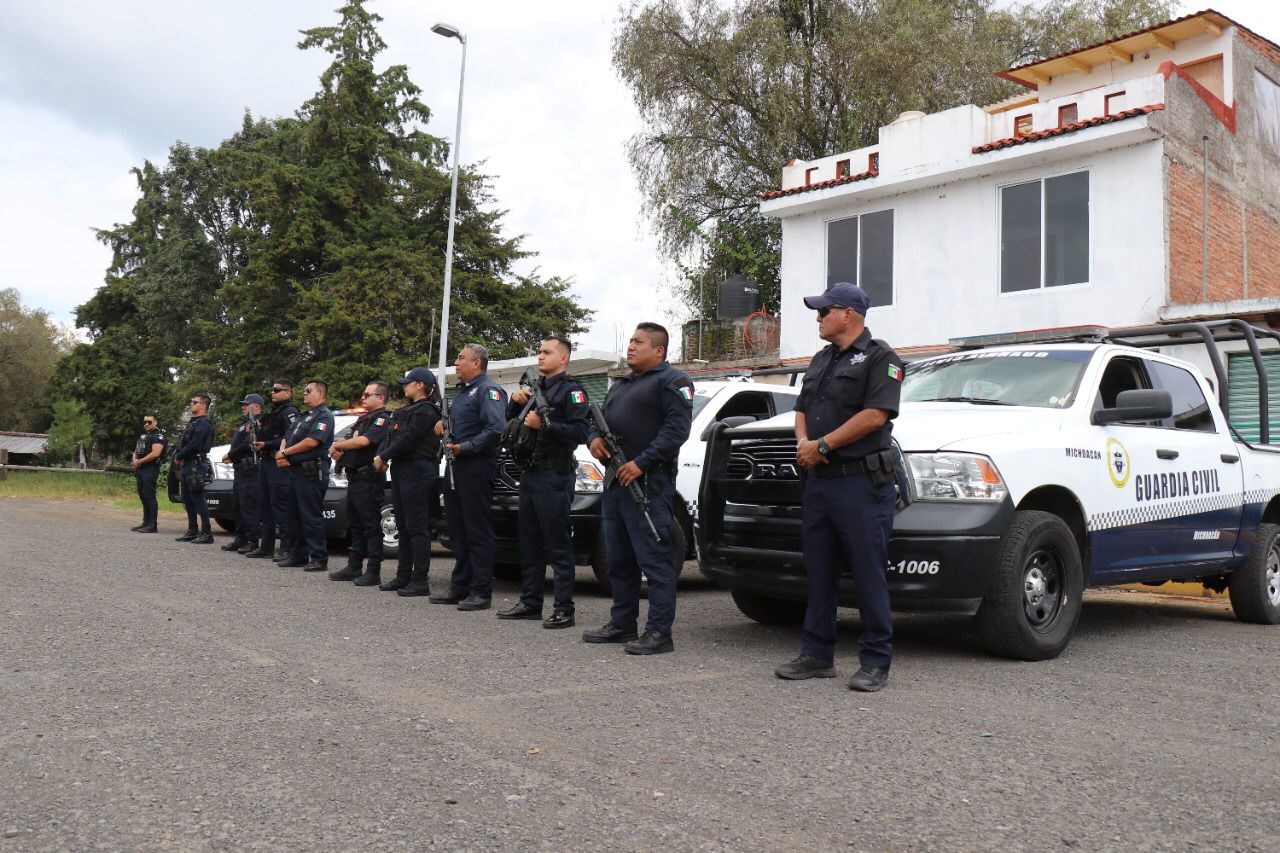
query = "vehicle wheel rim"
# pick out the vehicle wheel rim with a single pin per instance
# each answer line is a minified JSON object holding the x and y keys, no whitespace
{"x":1042,"y":589}
{"x":1273,"y":575}
{"x":390,"y":534}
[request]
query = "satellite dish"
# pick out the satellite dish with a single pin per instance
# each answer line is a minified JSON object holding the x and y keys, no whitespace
{"x":737,"y":296}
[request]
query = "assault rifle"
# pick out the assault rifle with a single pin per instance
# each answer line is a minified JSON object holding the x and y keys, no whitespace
{"x":618,"y":458}
{"x":447,"y":438}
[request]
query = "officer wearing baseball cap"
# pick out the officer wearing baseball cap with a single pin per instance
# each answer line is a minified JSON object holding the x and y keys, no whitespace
{"x":843,"y":426}
{"x":244,"y":459}
{"x":413,"y":451}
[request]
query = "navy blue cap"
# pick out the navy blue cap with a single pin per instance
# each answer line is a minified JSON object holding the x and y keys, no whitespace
{"x":252,"y":398}
{"x":419,"y":374}
{"x":841,"y":293}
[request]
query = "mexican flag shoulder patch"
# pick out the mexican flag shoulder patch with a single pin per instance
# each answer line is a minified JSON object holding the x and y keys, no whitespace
{"x":379,"y":421}
{"x":495,"y":394}
{"x":322,"y":426}
{"x":577,"y":397}
{"x":895,"y":373}
{"x":686,"y":392}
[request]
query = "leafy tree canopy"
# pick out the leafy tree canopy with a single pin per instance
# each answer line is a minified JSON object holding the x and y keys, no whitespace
{"x":310,"y":245}
{"x":30,"y":345}
{"x":728,"y":92}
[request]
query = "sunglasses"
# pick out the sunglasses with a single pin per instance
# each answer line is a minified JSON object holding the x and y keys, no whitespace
{"x":823,"y":312}
{"x":370,"y":394}
{"x":193,"y":401}
{"x":148,"y":423}
{"x":278,"y":390}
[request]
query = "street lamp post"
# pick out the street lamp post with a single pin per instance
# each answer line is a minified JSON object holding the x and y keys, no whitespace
{"x":452,"y":32}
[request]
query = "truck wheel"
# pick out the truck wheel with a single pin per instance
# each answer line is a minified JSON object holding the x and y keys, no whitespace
{"x":390,"y":535}
{"x":1033,"y":603}
{"x":766,"y":610}
{"x":225,"y":524}
{"x":600,"y":562}
{"x":1255,"y":586}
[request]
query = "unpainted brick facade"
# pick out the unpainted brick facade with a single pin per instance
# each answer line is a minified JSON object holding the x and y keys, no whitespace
{"x":1243,"y":218}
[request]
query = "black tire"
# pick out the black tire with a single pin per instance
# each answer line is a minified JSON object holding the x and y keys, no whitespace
{"x":600,"y":561}
{"x":225,"y":524}
{"x":767,"y":610}
{"x":390,"y":535}
{"x":1255,"y":586}
{"x":1034,"y":601}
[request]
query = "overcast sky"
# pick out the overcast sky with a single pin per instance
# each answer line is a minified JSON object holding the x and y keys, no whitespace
{"x":91,"y":88}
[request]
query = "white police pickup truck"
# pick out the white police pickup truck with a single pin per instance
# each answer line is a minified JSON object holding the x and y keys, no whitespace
{"x":1027,"y":472}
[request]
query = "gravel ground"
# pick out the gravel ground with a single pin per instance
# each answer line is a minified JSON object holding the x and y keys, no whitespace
{"x":157,"y":695}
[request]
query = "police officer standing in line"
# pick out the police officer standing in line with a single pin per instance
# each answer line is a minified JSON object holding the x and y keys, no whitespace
{"x":305,"y":453}
{"x":413,"y":451}
{"x":273,"y":485}
{"x":147,"y":453}
{"x":850,"y":394}
{"x":366,"y":487}
{"x":243,"y":456}
{"x":477,"y":419}
{"x":547,"y":486}
{"x":192,"y":459}
{"x":650,"y":411}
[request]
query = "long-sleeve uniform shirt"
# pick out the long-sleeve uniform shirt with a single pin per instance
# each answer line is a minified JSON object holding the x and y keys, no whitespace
{"x":196,"y":439}
{"x":412,"y":434}
{"x":477,"y":416}
{"x":651,"y":414}
{"x":242,"y":449}
{"x":569,"y":409}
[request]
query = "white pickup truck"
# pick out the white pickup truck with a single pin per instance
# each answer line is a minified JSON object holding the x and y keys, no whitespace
{"x":1028,"y":472}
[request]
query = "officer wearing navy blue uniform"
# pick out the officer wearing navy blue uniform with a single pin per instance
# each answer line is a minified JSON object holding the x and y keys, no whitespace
{"x":366,"y":487}
{"x":477,"y":417}
{"x":412,"y":449}
{"x":147,"y":453}
{"x":850,"y":395}
{"x":544,"y":451}
{"x":192,"y":459}
{"x":273,"y":484}
{"x":305,"y":453}
{"x":650,"y":411}
{"x":244,"y":459}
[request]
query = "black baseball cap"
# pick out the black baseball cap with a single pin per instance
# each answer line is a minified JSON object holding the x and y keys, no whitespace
{"x":841,"y":293}
{"x":252,"y":398}
{"x":419,"y":374}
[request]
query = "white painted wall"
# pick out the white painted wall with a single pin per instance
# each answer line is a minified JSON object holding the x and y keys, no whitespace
{"x":947,"y":255}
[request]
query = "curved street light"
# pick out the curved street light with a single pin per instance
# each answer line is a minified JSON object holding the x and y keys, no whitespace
{"x":449,"y":31}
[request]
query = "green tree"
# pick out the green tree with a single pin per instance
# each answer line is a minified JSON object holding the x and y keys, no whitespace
{"x":71,"y":429}
{"x":730,"y":93}
{"x":30,"y":345}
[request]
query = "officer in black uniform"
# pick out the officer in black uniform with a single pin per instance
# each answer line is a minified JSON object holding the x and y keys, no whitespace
{"x":147,"y":453}
{"x":843,"y":426}
{"x":366,"y":487}
{"x":413,"y":451}
{"x":305,"y":454}
{"x":273,"y":485}
{"x":477,"y":418}
{"x":244,"y":459}
{"x":650,"y":411}
{"x":547,"y":480}
{"x":192,"y":460}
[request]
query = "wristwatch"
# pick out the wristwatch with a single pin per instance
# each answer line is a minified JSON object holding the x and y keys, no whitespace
{"x":823,"y":447}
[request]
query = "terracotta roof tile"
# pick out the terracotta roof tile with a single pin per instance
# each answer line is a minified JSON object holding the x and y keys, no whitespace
{"x":1068,"y":128}
{"x":821,"y":185}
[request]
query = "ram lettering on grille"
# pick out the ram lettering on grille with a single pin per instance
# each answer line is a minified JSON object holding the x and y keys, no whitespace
{"x":763,"y":460}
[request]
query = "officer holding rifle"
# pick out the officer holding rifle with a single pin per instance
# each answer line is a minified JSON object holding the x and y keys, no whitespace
{"x":549,"y":421}
{"x":244,"y":459}
{"x":639,"y":431}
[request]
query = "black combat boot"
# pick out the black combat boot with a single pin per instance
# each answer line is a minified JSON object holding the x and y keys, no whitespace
{"x":191,"y":533}
{"x":371,"y":577}
{"x":233,"y":545}
{"x":347,"y":573}
{"x":205,"y":537}
{"x":249,"y":545}
{"x":150,"y":528}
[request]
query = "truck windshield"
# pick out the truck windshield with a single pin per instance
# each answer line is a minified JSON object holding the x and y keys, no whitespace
{"x":1044,"y":379}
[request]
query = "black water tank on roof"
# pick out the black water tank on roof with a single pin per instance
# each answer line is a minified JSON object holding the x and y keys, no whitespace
{"x":737,"y":296}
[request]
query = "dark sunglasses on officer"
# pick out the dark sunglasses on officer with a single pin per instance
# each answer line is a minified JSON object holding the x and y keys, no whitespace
{"x":823,"y":312}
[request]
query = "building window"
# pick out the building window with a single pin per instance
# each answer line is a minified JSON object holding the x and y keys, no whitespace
{"x":1022,"y":125}
{"x":1068,"y":114}
{"x":1267,"y":95}
{"x":860,"y":250}
{"x":1115,"y":103}
{"x":842,"y":169}
{"x":808,"y":175}
{"x":873,"y":161}
{"x":1044,"y":233}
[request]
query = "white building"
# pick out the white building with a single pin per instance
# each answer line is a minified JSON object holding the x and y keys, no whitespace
{"x":1082,"y":202}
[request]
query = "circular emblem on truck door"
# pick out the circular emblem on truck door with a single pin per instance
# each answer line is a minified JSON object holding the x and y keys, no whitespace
{"x":1117,"y":463}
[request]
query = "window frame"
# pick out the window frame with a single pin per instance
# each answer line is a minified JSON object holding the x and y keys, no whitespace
{"x":893,"y":249}
{"x":1062,"y":109}
{"x":1106,"y":103}
{"x":1170,"y":423}
{"x":999,"y":228}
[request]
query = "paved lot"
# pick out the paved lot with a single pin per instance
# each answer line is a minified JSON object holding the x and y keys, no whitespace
{"x":164,"y":696}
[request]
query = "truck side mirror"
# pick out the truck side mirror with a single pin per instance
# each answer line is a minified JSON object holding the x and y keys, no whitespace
{"x":1145,"y":404}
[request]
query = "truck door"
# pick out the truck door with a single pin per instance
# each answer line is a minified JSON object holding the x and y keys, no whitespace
{"x":1131,"y":533}
{"x":1204,"y":468}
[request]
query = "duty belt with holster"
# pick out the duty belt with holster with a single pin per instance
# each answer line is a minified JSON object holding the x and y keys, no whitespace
{"x":879,"y":466}
{"x":247,"y":463}
{"x":364,"y":472}
{"x":312,"y":467}
{"x":561,"y":465}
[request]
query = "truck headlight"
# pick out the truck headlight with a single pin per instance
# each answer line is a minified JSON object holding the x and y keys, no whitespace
{"x":590,"y":478}
{"x":223,"y":471}
{"x":955,"y":477}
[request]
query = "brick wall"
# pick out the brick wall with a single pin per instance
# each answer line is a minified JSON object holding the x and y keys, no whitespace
{"x":1186,"y":239}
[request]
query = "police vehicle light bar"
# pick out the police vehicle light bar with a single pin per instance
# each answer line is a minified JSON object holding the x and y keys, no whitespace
{"x":1062,"y":334}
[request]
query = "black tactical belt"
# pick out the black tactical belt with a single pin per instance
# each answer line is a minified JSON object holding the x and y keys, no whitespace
{"x":565,"y":465}
{"x":832,"y":470}
{"x":249,"y":464}
{"x":364,"y":472}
